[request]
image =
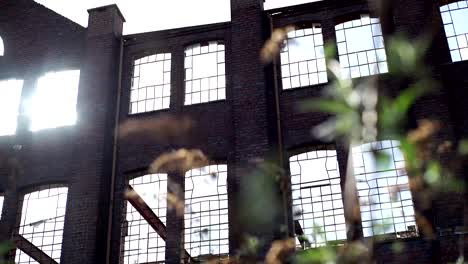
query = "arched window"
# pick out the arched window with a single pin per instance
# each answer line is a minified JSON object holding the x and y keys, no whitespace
{"x":206,"y":212}
{"x":384,"y":195}
{"x":455,"y":18}
{"x":54,"y":101}
{"x":205,"y":78}
{"x":143,"y":243}
{"x":303,"y":58}
{"x":361,"y":47}
{"x":42,"y":221}
{"x":10,"y":98}
{"x":317,"y":199}
{"x":151,"y":83}
{"x":2,"y":47}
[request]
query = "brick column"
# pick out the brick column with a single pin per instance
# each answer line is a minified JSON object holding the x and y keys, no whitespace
{"x":85,"y":234}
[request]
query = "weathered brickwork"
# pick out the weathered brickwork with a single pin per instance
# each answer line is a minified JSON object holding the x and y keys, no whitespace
{"x":96,"y":164}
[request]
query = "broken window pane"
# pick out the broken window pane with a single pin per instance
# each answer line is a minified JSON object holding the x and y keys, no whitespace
{"x":205,"y":79}
{"x":361,"y":47}
{"x":151,"y":83}
{"x":206,"y":211}
{"x":42,"y":220}
{"x":384,"y":194}
{"x":53,"y":103}
{"x":317,"y":199}
{"x":303,"y":58}
{"x":10,"y":97}
{"x":142,"y":243}
{"x":2,"y":47}
{"x":455,"y":19}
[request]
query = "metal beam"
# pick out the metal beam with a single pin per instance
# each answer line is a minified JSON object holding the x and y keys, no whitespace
{"x":153,"y":220}
{"x":31,"y":250}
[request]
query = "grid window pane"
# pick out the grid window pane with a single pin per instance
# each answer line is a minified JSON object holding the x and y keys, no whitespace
{"x":54,"y":101}
{"x":206,"y":211}
{"x":455,"y":19}
{"x":10,"y":97}
{"x":42,"y":220}
{"x":142,"y":242}
{"x":303,"y":58}
{"x":317,"y":199}
{"x":205,"y":78}
{"x":151,"y":83}
{"x":384,"y":195}
{"x":361,"y":47}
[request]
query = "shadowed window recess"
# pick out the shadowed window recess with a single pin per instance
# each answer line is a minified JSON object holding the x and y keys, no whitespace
{"x":361,"y":47}
{"x":303,"y":58}
{"x":2,"y":47}
{"x":10,"y":98}
{"x":455,"y":19}
{"x":53,"y":103}
{"x":206,"y":212}
{"x":144,"y":243}
{"x":317,"y":200}
{"x":384,"y":195}
{"x":205,"y":78}
{"x":41,"y":226}
{"x":151,"y":84}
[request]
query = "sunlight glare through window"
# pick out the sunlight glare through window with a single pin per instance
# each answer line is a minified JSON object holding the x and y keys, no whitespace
{"x":54,"y":102}
{"x":10,"y":97}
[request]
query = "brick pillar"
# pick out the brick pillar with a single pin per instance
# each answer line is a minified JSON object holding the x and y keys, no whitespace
{"x":85,"y":234}
{"x":174,"y":219}
{"x":252,"y":139}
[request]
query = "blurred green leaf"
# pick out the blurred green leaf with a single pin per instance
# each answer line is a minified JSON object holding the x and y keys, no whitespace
{"x":463,"y":147}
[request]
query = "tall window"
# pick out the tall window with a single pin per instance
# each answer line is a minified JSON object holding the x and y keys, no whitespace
{"x":206,"y":211}
{"x":142,"y":243}
{"x":303,"y":58}
{"x":455,"y":18}
{"x":1,"y":205}
{"x":205,"y":78}
{"x":151,"y":83}
{"x":317,"y":199}
{"x":42,"y":221}
{"x":10,"y":97}
{"x":384,"y":195}
{"x":2,"y":47}
{"x":54,"y":102}
{"x":361,"y":47}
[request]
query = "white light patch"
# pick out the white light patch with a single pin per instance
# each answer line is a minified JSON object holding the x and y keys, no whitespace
{"x":1,"y":205}
{"x":205,"y":65}
{"x":301,"y":49}
{"x":2,"y":47}
{"x":10,"y":97}
{"x":152,"y":74}
{"x":54,"y":101}
{"x":460,"y":20}
{"x":359,"y":39}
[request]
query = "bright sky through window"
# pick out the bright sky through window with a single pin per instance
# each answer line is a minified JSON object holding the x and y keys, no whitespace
{"x":42,"y":221}
{"x":10,"y":97}
{"x":205,"y":78}
{"x":1,"y":205}
{"x":455,"y":18}
{"x":206,"y":211}
{"x":317,"y":199}
{"x":142,"y":243}
{"x":53,"y":103}
{"x":361,"y":47}
{"x":384,"y":195}
{"x":151,"y":83}
{"x":303,"y":58}
{"x":2,"y":47}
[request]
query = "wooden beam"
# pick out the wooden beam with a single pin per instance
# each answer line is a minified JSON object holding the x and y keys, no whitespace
{"x":31,"y":250}
{"x":153,"y":220}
